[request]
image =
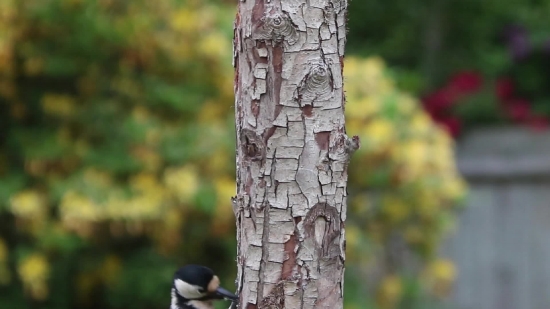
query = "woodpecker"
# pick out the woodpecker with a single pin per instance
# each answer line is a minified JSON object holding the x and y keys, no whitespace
{"x":195,"y":287}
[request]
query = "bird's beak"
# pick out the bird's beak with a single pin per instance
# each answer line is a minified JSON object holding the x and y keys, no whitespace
{"x":225,"y":294}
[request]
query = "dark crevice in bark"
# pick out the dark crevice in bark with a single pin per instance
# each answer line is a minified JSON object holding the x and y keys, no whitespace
{"x":277,"y":62}
{"x":258,"y":11}
{"x":265,"y":251}
{"x":323,"y":140}
{"x":307,"y":110}
{"x":290,"y":262}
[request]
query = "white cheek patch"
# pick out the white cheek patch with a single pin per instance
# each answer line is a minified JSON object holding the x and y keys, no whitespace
{"x":187,"y":290}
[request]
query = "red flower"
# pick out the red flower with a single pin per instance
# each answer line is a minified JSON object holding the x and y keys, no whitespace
{"x":518,"y":109}
{"x":504,"y":88}
{"x":463,"y":83}
{"x":538,"y":122}
{"x":466,"y":82}
{"x":439,"y":101}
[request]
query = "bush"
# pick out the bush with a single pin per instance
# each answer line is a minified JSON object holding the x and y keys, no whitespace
{"x":115,"y":119}
{"x":404,"y":190}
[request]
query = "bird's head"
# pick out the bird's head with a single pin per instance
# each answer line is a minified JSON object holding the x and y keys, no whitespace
{"x":199,"y":283}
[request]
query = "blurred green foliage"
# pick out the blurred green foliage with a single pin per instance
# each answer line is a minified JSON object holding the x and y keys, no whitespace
{"x":429,"y":40}
{"x":117,"y":159}
{"x":115,"y":123}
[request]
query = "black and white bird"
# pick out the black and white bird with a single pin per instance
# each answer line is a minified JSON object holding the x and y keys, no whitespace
{"x":195,"y":287}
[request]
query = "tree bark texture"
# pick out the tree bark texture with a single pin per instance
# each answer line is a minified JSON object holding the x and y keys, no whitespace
{"x":292,"y":153}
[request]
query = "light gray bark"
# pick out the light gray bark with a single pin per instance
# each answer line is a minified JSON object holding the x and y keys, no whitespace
{"x":292,"y":153}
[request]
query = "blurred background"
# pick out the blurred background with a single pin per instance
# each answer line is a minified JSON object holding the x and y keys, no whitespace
{"x":117,"y":152}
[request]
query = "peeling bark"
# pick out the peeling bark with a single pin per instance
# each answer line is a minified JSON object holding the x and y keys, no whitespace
{"x":292,"y":153}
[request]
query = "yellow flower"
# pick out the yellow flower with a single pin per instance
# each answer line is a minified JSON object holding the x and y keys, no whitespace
{"x":414,"y":150}
{"x":95,"y":177}
{"x":75,"y":206}
{"x":442,"y":158}
{"x":184,"y":20}
{"x":224,"y":83}
{"x":225,"y":189}
{"x":351,"y":67}
{"x":210,"y":112}
{"x":183,"y":181}
{"x":390,"y":292}
{"x":213,"y":45}
{"x":144,"y":206}
{"x":363,"y":108}
{"x":454,"y":188}
{"x":440,"y":275}
{"x":116,"y":206}
{"x":144,"y":182}
{"x":218,"y":162}
{"x":7,"y":9}
{"x":223,"y":217}
{"x":400,"y":139}
{"x":29,"y":204}
{"x":366,"y":78}
{"x":443,"y":269}
{"x":407,"y":104}
{"x":353,"y":236}
{"x":420,"y":123}
{"x":428,"y":204}
{"x":373,"y":66}
{"x":58,"y":104}
{"x":441,"y":137}
{"x":378,"y":133}
{"x":373,"y":77}
{"x":413,"y":154}
{"x":34,"y":272}
{"x":395,"y":209}
{"x":354,"y":125}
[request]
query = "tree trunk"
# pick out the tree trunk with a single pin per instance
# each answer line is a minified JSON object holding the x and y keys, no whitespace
{"x":292,"y":153}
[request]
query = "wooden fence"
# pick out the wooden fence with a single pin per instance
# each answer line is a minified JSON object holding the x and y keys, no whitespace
{"x":502,"y":244}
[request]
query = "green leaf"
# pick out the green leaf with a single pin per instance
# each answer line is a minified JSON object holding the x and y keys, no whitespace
{"x":9,"y":185}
